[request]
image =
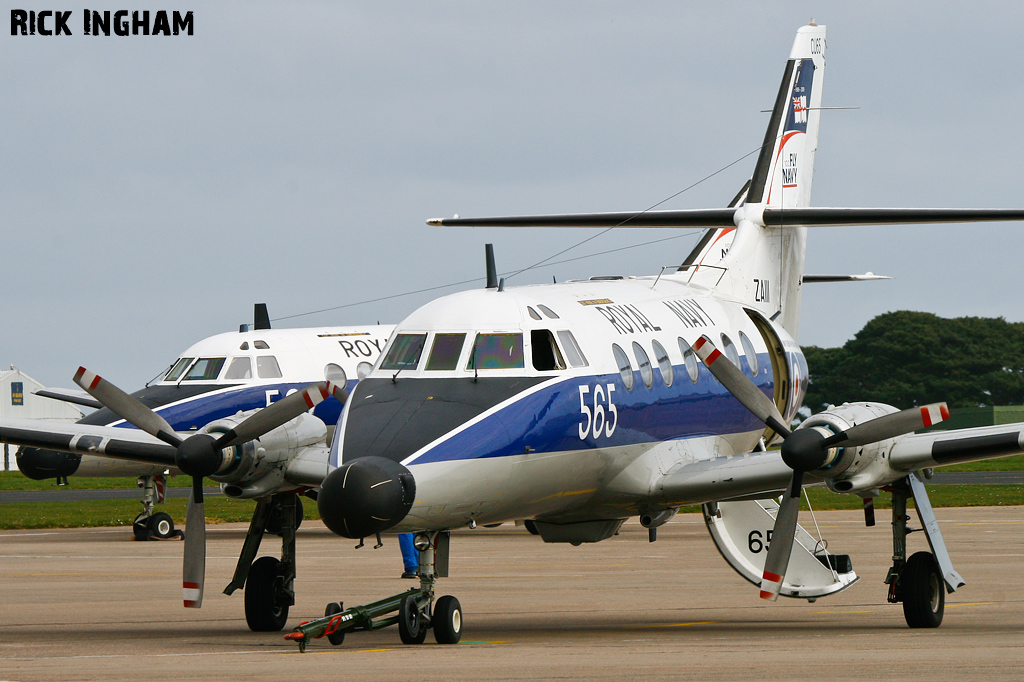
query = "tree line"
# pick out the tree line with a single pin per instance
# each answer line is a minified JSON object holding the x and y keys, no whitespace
{"x":907,"y":358}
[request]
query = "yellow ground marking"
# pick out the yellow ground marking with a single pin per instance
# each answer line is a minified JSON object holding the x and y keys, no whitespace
{"x":974,"y":603}
{"x":671,"y":625}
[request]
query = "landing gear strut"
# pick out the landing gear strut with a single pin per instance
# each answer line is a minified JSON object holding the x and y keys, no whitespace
{"x":921,"y":581}
{"x":148,"y":525}
{"x":414,"y":611}
{"x":269,"y":583}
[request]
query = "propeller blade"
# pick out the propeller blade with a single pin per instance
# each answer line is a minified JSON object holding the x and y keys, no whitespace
{"x":890,"y":426}
{"x":783,"y":535}
{"x":275,"y":414}
{"x":740,"y":385}
{"x":126,"y":407}
{"x":194,"y":565}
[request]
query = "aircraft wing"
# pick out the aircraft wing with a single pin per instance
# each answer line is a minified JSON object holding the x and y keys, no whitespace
{"x":759,"y":475}
{"x":86,"y":439}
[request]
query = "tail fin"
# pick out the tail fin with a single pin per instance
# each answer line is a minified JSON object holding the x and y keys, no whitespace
{"x":763,"y":266}
{"x":782,"y":176}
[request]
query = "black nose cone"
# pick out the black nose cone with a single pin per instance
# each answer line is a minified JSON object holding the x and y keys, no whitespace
{"x":366,"y":496}
{"x":39,"y":464}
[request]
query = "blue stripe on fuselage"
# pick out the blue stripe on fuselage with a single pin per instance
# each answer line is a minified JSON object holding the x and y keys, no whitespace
{"x":550,"y":419}
{"x":199,"y":411}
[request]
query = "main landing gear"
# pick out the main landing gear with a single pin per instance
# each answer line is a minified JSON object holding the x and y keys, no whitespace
{"x":921,"y":581}
{"x":269,"y":583}
{"x":414,"y":611}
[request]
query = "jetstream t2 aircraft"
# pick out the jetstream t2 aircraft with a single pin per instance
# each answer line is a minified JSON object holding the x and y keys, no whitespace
{"x":213,"y":379}
{"x":247,"y":389}
{"x":578,"y":405}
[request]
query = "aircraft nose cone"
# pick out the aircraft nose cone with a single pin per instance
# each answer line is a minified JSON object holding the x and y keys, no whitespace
{"x":40,"y":464}
{"x":366,"y":496}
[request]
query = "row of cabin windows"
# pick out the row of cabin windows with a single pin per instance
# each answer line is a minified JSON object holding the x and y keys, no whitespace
{"x":208,"y":369}
{"x":488,"y":351}
{"x":661,"y":356}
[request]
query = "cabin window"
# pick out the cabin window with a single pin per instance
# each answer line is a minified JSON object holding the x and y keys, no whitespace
{"x":730,"y":350}
{"x":646,"y":373}
{"x":240,"y":368}
{"x":748,"y":350}
{"x":625,"y":370}
{"x":661,"y":356}
{"x":178,"y":368}
{"x":205,"y":369}
{"x":267,"y":367}
{"x":404,"y":352}
{"x":497,"y":351}
{"x":689,"y":359}
{"x":572,"y":350}
{"x":546,"y":356}
{"x":445,"y":352}
{"x":260,"y":345}
{"x":335,"y":374}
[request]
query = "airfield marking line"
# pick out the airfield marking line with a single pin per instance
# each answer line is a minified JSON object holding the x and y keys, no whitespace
{"x":973,"y":603}
{"x":671,"y":625}
{"x":24,"y":535}
{"x":839,"y":612}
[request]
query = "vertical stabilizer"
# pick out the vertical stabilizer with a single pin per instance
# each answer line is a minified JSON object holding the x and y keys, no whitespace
{"x":763,"y":267}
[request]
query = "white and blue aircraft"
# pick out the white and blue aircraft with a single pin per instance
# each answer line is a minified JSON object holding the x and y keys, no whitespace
{"x":254,"y":381}
{"x":578,"y":405}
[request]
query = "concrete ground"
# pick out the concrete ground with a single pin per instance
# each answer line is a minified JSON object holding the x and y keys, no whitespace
{"x":89,"y":604}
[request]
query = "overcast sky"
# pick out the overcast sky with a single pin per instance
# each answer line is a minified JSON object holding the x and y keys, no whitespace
{"x":154,"y":188}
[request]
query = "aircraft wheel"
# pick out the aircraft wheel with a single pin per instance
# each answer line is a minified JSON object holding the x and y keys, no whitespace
{"x":530,"y":526}
{"x":923,"y":591}
{"x":336,"y":638}
{"x":447,"y":619}
{"x":411,"y":627}
{"x":262,"y":612}
{"x":140,"y":527}
{"x":161,"y":525}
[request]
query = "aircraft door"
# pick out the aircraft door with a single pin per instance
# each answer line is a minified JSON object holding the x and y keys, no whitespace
{"x":783,"y":370}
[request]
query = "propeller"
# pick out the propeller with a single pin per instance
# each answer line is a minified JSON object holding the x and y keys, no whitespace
{"x":201,"y":454}
{"x":804,"y":450}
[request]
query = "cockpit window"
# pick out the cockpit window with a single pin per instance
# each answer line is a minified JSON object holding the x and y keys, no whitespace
{"x":497,"y":351}
{"x":178,"y":368}
{"x":205,"y":369}
{"x":240,"y":368}
{"x":404,"y":352}
{"x":260,"y":345}
{"x":572,"y":350}
{"x":267,"y":367}
{"x":445,"y":352}
{"x":546,"y":356}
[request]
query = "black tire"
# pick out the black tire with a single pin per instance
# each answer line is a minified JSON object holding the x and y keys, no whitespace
{"x":140,"y":528}
{"x":411,"y":626}
{"x":447,"y":619}
{"x":336,"y":638}
{"x":161,"y":525}
{"x":262,"y":612}
{"x":923,"y":591}
{"x":529,"y":525}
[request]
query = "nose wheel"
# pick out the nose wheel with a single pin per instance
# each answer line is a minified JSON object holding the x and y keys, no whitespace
{"x":414,"y":611}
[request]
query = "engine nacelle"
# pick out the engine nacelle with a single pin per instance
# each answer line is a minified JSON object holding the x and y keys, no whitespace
{"x":258,"y":467}
{"x":855,"y":469}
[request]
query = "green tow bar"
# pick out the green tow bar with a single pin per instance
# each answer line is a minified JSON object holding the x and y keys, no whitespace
{"x":373,"y":616}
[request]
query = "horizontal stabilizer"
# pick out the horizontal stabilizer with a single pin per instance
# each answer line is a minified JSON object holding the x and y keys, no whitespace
{"x":70,"y":395}
{"x":866,"y":277}
{"x":724,"y":217}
